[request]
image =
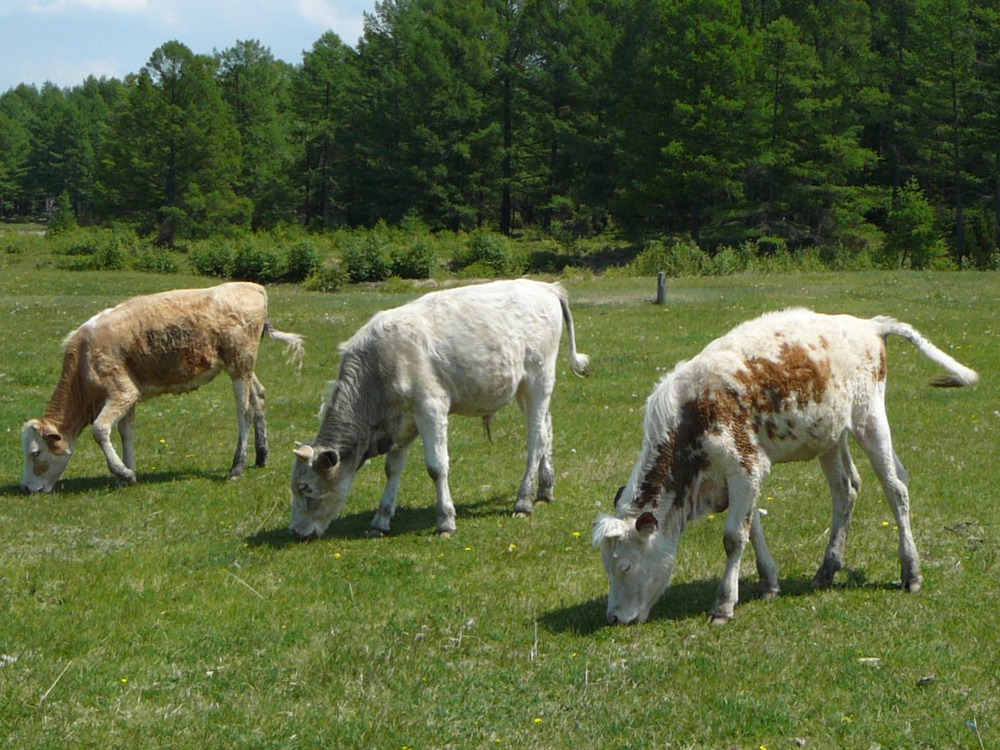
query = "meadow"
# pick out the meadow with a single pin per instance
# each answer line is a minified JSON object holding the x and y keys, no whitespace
{"x":179,"y":612}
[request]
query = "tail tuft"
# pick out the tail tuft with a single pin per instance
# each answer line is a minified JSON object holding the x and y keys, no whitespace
{"x":293,"y":343}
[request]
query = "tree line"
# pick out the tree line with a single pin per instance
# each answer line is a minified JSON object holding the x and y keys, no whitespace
{"x":847,"y":123}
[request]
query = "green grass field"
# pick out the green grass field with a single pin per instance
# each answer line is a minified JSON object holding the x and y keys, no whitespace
{"x":179,"y":614}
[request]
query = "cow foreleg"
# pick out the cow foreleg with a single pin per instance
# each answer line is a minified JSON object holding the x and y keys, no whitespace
{"x":241,"y":393}
{"x":743,"y":492}
{"x":258,"y":408}
{"x":395,"y":462}
{"x":433,"y":430}
{"x":112,"y":413}
{"x":875,"y":438}
{"x":844,"y":481}
{"x":126,"y":429}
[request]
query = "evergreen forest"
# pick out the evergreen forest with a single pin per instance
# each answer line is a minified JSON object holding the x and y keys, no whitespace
{"x":867,"y":126}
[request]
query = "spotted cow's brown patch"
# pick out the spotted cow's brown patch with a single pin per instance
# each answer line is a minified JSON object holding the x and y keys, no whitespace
{"x":769,"y":387}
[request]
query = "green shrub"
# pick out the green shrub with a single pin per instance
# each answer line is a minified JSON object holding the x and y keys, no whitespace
{"x":416,"y":261}
{"x":487,"y":255}
{"x":678,"y":258}
{"x":254,"y":261}
{"x":328,"y":277}
{"x":729,"y":261}
{"x":212,"y":258}
{"x":303,"y":261}
{"x":63,"y":220}
{"x":156,"y":260}
{"x":367,"y":258}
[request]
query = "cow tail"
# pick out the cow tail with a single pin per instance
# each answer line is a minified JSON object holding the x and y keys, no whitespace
{"x":579,"y":362}
{"x":292,"y":341}
{"x":960,"y":375}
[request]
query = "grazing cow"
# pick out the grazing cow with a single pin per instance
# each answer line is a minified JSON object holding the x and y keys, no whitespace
{"x":788,"y":386}
{"x":170,"y":342}
{"x":469,"y":350}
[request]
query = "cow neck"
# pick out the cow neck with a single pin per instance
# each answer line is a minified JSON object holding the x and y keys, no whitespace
{"x":74,"y":404}
{"x":350,"y":413}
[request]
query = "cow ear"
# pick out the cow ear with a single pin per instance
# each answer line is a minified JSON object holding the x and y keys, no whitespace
{"x":303,"y":452}
{"x":326,"y":459}
{"x":54,"y":440}
{"x":646,"y":525}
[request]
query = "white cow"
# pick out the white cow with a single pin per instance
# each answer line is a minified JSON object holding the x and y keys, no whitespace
{"x":788,"y":386}
{"x":469,"y":350}
{"x":170,"y":342}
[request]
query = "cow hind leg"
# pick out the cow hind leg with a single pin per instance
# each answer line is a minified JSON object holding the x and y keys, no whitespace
{"x":876,"y":440}
{"x":111,"y":415}
{"x":844,"y":481}
{"x":767,"y":569}
{"x":241,"y":393}
{"x":258,"y":407}
{"x":539,"y":476}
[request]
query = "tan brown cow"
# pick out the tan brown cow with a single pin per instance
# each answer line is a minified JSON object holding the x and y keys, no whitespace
{"x":171,"y":342}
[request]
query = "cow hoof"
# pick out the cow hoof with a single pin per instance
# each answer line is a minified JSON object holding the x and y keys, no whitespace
{"x":374,"y":533}
{"x":717,"y":620}
{"x":445,"y":533}
{"x":913,"y":586}
{"x":766,"y":596}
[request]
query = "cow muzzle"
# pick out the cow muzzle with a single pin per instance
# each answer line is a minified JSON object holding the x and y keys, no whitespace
{"x":304,"y":537}
{"x":613,"y":619}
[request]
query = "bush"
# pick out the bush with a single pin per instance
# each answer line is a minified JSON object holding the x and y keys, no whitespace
{"x":729,"y":261}
{"x":367,"y":259}
{"x":155,"y":260}
{"x":417,"y":261}
{"x":303,"y":261}
{"x":212,"y":258}
{"x":486,"y":255}
{"x":328,"y":277}
{"x":253,"y":261}
{"x":679,"y":258}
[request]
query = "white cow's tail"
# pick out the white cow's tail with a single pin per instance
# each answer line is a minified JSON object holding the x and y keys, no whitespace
{"x":579,"y":362}
{"x":292,"y":341}
{"x":960,"y":374}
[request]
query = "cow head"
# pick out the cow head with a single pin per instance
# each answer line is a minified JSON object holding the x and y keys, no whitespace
{"x":46,"y":455}
{"x":639,"y":561}
{"x":321,"y":482}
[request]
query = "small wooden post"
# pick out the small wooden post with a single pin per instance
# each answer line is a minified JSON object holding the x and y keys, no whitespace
{"x":661,"y":288}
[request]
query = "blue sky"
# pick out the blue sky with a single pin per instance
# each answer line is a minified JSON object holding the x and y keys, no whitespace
{"x":64,"y":41}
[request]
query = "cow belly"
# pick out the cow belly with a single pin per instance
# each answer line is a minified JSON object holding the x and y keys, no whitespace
{"x":189,"y":377}
{"x":787,"y":438}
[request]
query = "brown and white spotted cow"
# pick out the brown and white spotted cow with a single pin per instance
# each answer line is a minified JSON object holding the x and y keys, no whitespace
{"x":788,"y":386}
{"x":170,"y":342}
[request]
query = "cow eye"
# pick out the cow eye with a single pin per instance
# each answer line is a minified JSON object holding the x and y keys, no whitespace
{"x":36,"y":453}
{"x":624,"y":568}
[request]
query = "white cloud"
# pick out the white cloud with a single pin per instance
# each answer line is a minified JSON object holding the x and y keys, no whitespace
{"x":113,"y":6}
{"x":319,"y":12}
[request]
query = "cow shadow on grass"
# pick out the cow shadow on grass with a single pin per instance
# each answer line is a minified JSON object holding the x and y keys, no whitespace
{"x":106,"y":483}
{"x":694,"y":599}
{"x":420,"y":520}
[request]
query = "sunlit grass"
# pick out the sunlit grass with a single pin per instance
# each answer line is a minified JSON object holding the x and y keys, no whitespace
{"x":179,"y":613}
